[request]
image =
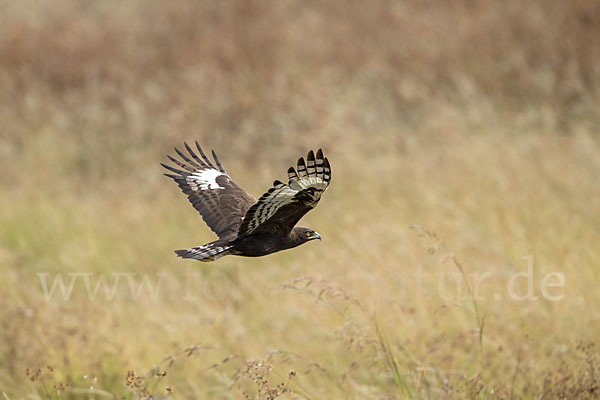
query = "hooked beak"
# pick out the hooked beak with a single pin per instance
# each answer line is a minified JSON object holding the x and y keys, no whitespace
{"x":316,"y":236}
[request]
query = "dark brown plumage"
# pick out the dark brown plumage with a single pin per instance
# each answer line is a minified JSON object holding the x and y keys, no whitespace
{"x":245,"y":226}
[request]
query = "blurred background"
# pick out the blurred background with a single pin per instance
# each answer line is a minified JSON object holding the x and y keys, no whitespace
{"x":463,"y":138}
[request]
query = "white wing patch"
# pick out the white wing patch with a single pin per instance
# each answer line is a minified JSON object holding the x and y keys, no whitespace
{"x":204,"y":179}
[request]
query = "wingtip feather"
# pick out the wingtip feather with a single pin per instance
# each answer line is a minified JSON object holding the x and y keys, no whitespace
{"x":218,"y":162}
{"x":301,"y":168}
{"x":204,"y":157}
{"x":177,"y":171}
{"x":292,"y":174}
{"x":194,"y":155}
{"x":310,"y":164}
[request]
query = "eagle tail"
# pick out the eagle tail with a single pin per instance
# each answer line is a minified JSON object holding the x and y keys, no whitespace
{"x":209,"y":252}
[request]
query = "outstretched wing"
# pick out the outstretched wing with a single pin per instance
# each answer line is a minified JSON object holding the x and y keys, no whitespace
{"x":221,"y":202}
{"x":279,"y":209}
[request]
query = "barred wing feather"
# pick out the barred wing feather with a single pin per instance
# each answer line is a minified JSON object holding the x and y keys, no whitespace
{"x":282,"y":206}
{"x":220,"y":201}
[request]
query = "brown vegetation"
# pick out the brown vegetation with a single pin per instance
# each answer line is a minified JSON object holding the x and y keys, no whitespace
{"x":477,"y":120}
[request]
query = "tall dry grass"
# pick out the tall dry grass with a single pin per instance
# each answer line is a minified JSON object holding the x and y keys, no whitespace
{"x":475,"y":121}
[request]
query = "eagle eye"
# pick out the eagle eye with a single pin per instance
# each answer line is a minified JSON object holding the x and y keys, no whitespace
{"x":308,"y":234}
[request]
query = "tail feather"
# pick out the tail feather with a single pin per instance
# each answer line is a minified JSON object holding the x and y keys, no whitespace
{"x":208,"y":252}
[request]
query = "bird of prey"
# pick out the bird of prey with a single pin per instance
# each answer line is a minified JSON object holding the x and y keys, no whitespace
{"x":245,"y":226}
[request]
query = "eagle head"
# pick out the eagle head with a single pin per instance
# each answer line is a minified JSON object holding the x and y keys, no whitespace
{"x":301,"y":235}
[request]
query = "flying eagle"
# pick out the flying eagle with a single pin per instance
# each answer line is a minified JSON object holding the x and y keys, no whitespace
{"x":245,"y":226}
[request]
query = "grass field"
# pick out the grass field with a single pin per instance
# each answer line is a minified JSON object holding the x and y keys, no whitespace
{"x":460,"y":252}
